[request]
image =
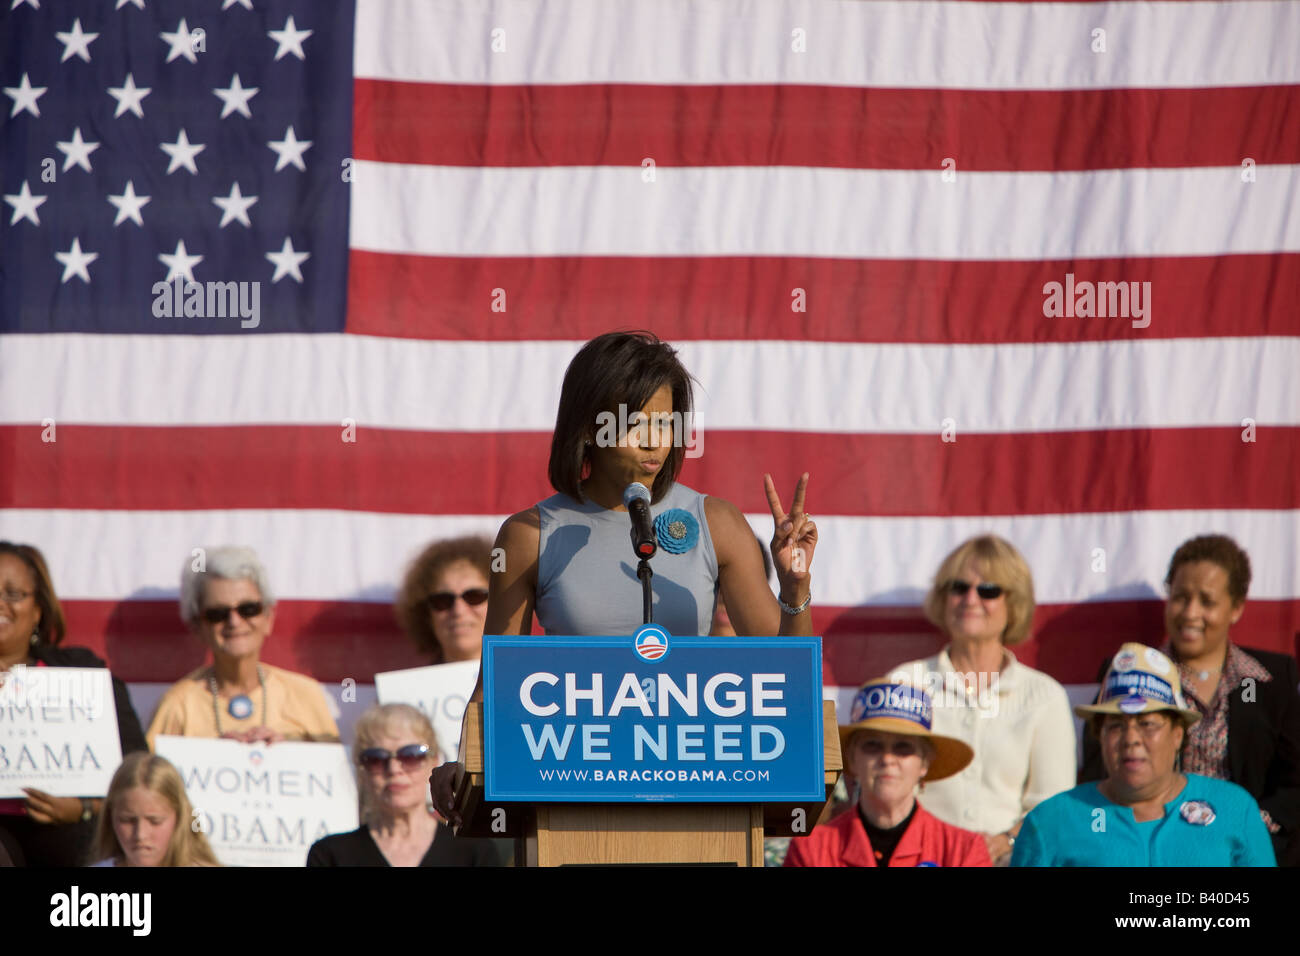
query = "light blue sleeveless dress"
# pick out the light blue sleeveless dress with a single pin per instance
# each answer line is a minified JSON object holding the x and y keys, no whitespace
{"x":586,"y":570}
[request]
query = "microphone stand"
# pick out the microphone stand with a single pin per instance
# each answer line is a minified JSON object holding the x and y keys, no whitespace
{"x":647,"y":592}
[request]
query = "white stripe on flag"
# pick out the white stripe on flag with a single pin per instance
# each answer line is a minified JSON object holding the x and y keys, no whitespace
{"x":335,"y":555}
{"x":515,"y":386}
{"x":1028,"y":46}
{"x":805,"y":211}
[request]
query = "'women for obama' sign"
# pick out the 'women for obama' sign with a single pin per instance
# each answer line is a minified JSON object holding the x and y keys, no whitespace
{"x":652,"y":717}
{"x":58,"y":731}
{"x":264,"y":805}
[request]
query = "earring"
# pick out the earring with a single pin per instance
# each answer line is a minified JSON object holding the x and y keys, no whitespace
{"x":36,"y":638}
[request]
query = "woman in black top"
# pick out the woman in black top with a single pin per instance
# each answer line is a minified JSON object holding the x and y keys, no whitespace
{"x":45,"y":830}
{"x":395,"y":750}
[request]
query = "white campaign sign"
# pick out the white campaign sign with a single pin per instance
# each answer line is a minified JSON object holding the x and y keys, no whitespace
{"x":58,"y":731}
{"x":264,"y":805}
{"x":441,"y":691}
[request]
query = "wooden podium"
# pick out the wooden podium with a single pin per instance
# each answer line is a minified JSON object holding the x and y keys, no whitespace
{"x":568,"y":834}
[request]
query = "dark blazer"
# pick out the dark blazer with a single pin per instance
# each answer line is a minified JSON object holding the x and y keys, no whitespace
{"x":128,"y":724}
{"x":1263,"y":749}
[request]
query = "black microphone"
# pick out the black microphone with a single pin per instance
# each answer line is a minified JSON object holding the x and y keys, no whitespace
{"x":636,"y":498}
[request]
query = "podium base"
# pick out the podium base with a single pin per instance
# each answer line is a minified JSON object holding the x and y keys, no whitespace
{"x":617,"y":834}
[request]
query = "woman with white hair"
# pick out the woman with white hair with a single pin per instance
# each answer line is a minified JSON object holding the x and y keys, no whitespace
{"x":228,"y":605}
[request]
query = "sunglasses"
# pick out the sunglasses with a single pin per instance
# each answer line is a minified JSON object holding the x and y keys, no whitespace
{"x":443,"y":600}
{"x":247,"y":610}
{"x":986,"y":591}
{"x":901,"y":748}
{"x":410,"y":757}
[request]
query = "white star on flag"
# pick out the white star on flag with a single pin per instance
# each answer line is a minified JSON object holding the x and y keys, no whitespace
{"x":181,"y":42}
{"x":128,"y":96}
{"x":290,"y":150}
{"x":25,"y":205}
{"x":76,"y":43}
{"x":227,"y":4}
{"x":235,"y":206}
{"x":74,"y":262}
{"x":25,"y":96}
{"x":122,"y":3}
{"x":235,"y":97}
{"x":286,"y":262}
{"x":290,"y":39}
{"x":76,"y":151}
{"x":128,"y":205}
{"x":182,"y":153}
{"x":179,"y":263}
{"x":35,"y":4}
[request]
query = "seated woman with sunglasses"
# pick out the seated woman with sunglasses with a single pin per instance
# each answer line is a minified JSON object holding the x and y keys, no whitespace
{"x":394,"y":751}
{"x":230,"y":608}
{"x":1016,"y":719}
{"x":443,"y":601}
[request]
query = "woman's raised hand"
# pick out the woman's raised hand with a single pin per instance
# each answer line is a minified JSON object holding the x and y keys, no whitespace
{"x":794,"y":539}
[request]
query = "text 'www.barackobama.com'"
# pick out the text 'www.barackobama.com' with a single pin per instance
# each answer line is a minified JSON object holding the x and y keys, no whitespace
{"x":654,"y":776}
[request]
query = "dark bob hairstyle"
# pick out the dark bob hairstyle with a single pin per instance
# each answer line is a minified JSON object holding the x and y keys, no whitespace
{"x":617,"y":368}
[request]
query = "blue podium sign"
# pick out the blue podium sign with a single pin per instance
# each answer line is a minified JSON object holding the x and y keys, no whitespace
{"x":652,"y":718}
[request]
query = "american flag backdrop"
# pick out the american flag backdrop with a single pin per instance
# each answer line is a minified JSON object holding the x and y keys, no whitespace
{"x":847,"y":216}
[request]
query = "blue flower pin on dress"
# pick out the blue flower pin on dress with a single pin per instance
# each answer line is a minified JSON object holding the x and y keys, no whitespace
{"x":677,"y":530}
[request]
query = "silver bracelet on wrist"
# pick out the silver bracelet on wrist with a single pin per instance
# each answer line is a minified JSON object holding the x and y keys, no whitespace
{"x":795,"y":611}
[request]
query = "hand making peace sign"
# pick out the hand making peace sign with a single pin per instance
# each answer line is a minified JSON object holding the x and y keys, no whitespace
{"x":794,"y":538}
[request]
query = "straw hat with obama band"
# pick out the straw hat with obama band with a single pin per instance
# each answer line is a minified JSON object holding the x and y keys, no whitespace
{"x":889,"y":750}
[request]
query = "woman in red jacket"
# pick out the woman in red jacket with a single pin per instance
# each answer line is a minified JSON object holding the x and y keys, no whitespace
{"x":889,"y":750}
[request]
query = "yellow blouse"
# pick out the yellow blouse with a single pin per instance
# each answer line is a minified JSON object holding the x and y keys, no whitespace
{"x":295,"y":704}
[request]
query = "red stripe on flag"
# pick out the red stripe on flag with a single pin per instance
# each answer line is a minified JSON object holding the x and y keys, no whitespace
{"x":846,"y":300}
{"x":145,"y":641}
{"x":796,"y":125}
{"x":399,"y":471}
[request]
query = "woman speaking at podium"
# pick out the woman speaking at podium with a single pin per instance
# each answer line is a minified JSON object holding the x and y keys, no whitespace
{"x":624,"y":408}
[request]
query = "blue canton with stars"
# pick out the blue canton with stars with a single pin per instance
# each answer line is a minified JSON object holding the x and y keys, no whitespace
{"x":146,"y":140}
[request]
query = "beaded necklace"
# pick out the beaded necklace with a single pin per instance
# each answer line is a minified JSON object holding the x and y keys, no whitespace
{"x":239,"y":702}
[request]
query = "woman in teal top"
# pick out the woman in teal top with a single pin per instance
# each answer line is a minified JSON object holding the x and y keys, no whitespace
{"x":1145,"y":813}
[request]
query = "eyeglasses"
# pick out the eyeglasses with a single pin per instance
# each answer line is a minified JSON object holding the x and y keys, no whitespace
{"x":1147,"y":726}
{"x":987,"y":592}
{"x":443,"y":600}
{"x":900,"y":748}
{"x":247,"y":610}
{"x":14,"y":596}
{"x":410,"y":757}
